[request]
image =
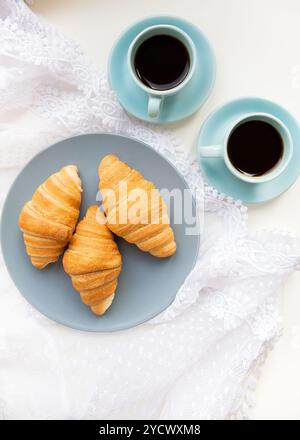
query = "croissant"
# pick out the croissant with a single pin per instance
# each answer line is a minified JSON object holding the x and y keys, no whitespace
{"x":93,"y":261}
{"x":150,"y":230}
{"x":48,"y":220}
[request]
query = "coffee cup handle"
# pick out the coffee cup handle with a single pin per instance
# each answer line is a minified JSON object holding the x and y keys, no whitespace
{"x":154,"y":104}
{"x":211,"y":151}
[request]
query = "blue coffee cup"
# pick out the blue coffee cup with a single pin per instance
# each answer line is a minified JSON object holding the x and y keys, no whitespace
{"x":156,"y":97}
{"x":221,"y":150}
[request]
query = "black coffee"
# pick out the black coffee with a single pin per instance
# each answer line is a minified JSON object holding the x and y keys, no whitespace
{"x":162,"y":62}
{"x":255,"y":147}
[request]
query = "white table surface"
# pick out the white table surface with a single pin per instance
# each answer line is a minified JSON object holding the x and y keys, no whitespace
{"x":257,"y":46}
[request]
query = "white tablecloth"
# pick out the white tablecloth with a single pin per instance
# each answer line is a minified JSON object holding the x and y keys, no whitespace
{"x":200,"y":358}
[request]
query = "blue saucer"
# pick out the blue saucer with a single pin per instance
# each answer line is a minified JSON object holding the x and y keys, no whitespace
{"x":212,"y":132}
{"x":187,"y":101}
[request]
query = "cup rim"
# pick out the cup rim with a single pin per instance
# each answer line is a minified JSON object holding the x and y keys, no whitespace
{"x":192,"y":51}
{"x":276,"y":170}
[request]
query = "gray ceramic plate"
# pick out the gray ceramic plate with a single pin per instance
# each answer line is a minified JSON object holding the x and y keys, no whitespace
{"x":147,"y":285}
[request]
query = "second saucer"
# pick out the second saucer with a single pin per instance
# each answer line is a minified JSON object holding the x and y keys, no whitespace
{"x":213,"y":132}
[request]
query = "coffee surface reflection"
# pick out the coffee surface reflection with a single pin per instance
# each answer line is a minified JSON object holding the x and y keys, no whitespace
{"x":255,"y":148}
{"x":162,"y":62}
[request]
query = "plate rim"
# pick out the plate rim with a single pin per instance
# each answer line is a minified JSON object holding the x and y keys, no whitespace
{"x":32,"y":303}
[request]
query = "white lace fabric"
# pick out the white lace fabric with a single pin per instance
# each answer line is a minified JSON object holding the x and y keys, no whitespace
{"x":199,"y":358}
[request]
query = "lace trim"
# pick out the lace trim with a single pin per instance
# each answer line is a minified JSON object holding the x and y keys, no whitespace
{"x":246,"y":400}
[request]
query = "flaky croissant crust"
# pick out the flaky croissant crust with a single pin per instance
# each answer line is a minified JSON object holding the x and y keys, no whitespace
{"x":152,"y":232}
{"x":93,"y":261}
{"x":48,"y":220}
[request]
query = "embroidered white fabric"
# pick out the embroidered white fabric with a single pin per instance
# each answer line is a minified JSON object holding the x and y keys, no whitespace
{"x":199,"y":358}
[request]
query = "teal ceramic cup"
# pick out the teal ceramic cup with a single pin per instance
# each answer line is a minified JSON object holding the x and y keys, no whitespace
{"x":156,"y":97}
{"x":221,"y":151}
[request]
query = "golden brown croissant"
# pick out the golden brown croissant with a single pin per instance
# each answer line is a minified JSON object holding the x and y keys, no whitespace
{"x":48,"y":220}
{"x":93,"y":261}
{"x":121,"y":187}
